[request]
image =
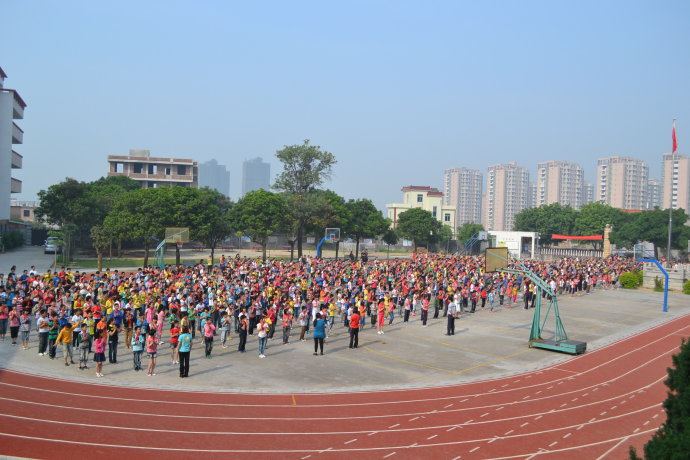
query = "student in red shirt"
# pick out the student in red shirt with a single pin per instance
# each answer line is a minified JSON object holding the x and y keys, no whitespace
{"x":174,"y":335}
{"x":354,"y":329}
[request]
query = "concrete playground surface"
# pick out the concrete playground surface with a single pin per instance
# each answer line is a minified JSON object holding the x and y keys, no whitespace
{"x":486,"y":345}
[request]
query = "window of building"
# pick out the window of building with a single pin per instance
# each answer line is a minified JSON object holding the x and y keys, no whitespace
{"x":446,"y":218}
{"x":433,"y":212}
{"x":181,"y":170}
{"x":119,"y":168}
{"x":152,"y":184}
{"x":137,"y":168}
{"x":27,"y":213}
{"x":420,"y":198}
{"x":153,"y":169}
{"x":168,"y":171}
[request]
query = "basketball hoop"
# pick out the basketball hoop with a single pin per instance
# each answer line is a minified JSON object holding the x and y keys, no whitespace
{"x":179,"y":244}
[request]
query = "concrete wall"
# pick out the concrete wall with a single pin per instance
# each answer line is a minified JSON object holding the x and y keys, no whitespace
{"x":676,"y":276}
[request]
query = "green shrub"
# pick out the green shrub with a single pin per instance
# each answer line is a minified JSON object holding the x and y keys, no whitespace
{"x":640,"y":277}
{"x":658,"y":284}
{"x":629,"y":280}
{"x":12,"y":239}
{"x":686,"y":287}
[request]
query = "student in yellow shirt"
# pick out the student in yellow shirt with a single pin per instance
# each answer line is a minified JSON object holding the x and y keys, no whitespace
{"x":65,"y":337}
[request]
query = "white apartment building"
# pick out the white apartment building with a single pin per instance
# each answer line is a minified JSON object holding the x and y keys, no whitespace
{"x":560,"y":182}
{"x":654,"y":191}
{"x":463,"y":191}
{"x":507,"y":193}
{"x":622,"y":182}
{"x":11,"y":108}
{"x":675,"y":173}
{"x":427,"y":198}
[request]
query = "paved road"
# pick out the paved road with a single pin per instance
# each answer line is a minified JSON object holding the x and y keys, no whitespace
{"x":25,"y":257}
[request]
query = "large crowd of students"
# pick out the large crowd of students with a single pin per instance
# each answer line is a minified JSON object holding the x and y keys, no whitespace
{"x":91,"y":314}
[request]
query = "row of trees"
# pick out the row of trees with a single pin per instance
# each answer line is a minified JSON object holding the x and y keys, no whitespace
{"x":114,"y":210}
{"x":629,"y":228}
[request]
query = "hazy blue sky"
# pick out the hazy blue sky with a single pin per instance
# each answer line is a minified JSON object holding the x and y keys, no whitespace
{"x":397,"y":90}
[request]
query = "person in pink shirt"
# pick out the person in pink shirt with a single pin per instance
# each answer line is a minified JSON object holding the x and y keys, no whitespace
{"x":159,"y":329}
{"x":151,"y":350}
{"x":209,"y":330}
{"x":99,"y":352}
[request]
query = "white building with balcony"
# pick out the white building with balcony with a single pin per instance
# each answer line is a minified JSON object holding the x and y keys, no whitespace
{"x":154,"y":172}
{"x":11,"y":108}
{"x":427,"y":198}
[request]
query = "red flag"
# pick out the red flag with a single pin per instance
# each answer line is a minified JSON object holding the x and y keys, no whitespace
{"x":673,"y":136}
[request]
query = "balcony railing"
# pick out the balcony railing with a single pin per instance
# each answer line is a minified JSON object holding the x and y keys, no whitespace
{"x":17,"y":160}
{"x":17,"y":134}
{"x":16,"y":186}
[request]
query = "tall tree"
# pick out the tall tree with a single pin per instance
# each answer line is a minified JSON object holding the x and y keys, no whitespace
{"x":213,"y":223}
{"x":390,"y":237}
{"x":305,"y":168}
{"x":259,"y":214}
{"x":365,"y":221}
{"x":330,"y":211}
{"x":417,"y":225}
{"x":546,"y":220}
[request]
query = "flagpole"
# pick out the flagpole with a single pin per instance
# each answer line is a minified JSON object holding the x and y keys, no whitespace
{"x":670,"y":204}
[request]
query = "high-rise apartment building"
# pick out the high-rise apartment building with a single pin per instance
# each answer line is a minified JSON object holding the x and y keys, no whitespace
{"x":622,"y":182}
{"x":153,"y":172}
{"x":463,"y":191}
{"x":560,"y":182}
{"x":215,"y":176}
{"x":587,"y":192}
{"x":507,"y":190}
{"x":675,"y":173}
{"x":654,"y":190}
{"x":255,"y":175}
{"x":11,"y":108}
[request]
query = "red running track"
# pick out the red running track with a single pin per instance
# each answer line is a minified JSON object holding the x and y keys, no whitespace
{"x":592,"y":406}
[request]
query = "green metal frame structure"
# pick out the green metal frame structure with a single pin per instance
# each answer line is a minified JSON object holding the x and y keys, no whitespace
{"x":560,"y":341}
{"x":159,"y":260}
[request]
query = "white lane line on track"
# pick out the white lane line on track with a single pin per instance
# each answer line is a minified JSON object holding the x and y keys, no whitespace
{"x":615,"y":446}
{"x":500,"y":408}
{"x":468,"y":422}
{"x":464,"y":400}
{"x":661,"y":379}
{"x":372,"y":433}
{"x":457,"y":458}
{"x":567,"y":435}
{"x":503,"y":386}
{"x":389,"y":455}
{"x":573,"y":400}
{"x":645,"y":423}
{"x":564,"y":404}
{"x":636,"y":430}
{"x":350,"y":441}
{"x":322,"y":451}
{"x":413,"y":419}
{"x":452,"y":428}
{"x":537,"y":418}
{"x":524,"y":424}
{"x":538,"y":392}
{"x":613,"y":408}
{"x":586,"y":394}
{"x":655,"y":415}
{"x":492,"y":440}
{"x":449,"y":405}
{"x":353,"y":449}
{"x":508,"y":432}
{"x":306,"y":457}
{"x":431,"y":437}
{"x":484,"y":415}
{"x":475,"y":449}
{"x":580,"y":427}
{"x":553,"y":443}
{"x":526,"y":397}
{"x":604,"y":413}
{"x":394,"y":426}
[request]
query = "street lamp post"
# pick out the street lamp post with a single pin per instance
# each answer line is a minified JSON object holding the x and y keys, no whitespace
{"x":668,"y":247}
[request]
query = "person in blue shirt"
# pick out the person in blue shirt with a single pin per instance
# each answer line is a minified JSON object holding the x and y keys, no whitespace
{"x":185,"y":347}
{"x":319,"y":333}
{"x":138,"y":342}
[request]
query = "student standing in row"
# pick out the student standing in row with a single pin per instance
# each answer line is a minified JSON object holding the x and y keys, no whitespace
{"x":138,"y":341}
{"x":99,"y":351}
{"x":319,"y":333}
{"x":185,"y":347}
